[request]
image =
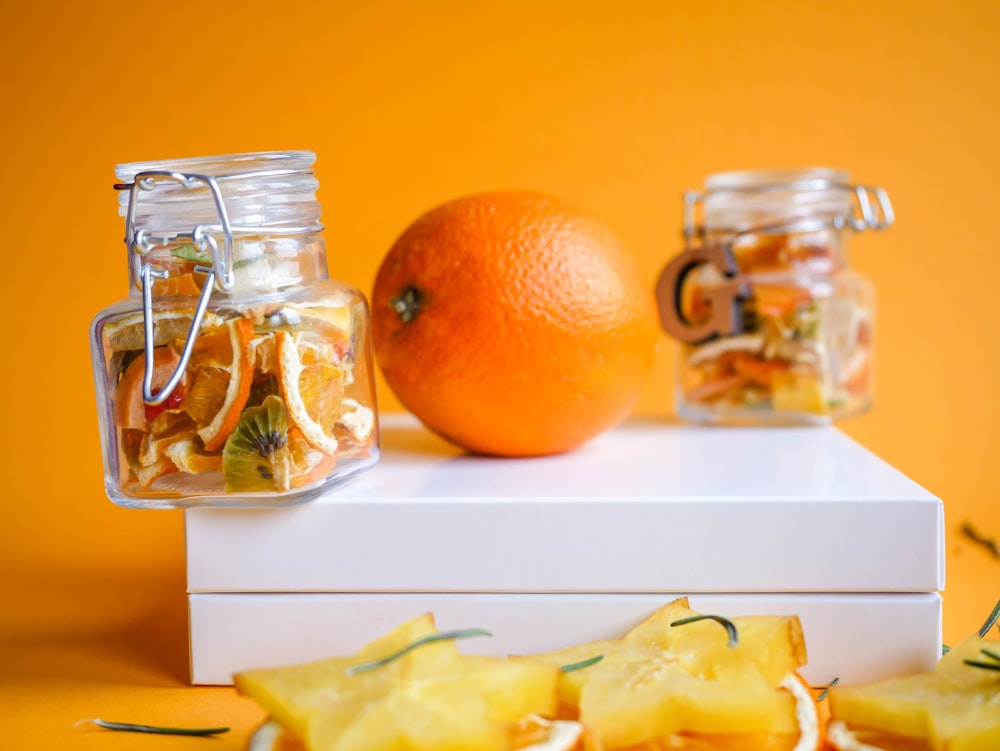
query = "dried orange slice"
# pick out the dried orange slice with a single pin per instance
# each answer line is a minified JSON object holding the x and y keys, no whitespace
{"x":811,"y":736}
{"x":128,"y":333}
{"x":130,"y":408}
{"x":312,"y":385}
{"x":272,"y":737}
{"x":262,"y":354}
{"x":223,"y":375}
{"x":309,"y":465}
{"x":182,"y":285}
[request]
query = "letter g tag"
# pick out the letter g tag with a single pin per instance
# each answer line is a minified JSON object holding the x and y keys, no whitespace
{"x":724,"y":297}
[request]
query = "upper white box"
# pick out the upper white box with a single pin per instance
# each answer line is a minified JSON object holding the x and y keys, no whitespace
{"x":649,"y":507}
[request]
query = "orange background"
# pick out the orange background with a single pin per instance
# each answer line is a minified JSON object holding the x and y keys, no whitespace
{"x":616,"y":106}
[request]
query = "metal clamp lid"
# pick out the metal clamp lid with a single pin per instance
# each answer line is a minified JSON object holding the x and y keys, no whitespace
{"x":140,"y":243}
{"x":876,"y":212}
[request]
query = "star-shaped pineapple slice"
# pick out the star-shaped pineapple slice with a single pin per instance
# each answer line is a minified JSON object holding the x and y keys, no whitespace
{"x":391,"y":696}
{"x":674,"y":674}
{"x":955,"y":707}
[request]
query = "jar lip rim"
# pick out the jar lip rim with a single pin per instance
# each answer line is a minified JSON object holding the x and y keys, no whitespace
{"x":223,"y":165}
{"x":815,"y":178}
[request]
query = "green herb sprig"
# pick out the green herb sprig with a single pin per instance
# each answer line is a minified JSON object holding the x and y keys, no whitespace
{"x":826,"y":690}
{"x":994,"y":657}
{"x":993,"y":664}
{"x":980,"y":539}
{"x":130,"y":727}
{"x":734,"y":637}
{"x":581,"y":664}
{"x":431,"y":638}
{"x":991,"y":620}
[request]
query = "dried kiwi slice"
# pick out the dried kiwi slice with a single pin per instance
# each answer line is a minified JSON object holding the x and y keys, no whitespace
{"x":256,"y":457}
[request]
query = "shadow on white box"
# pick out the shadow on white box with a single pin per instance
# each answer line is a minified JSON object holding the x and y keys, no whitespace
{"x":555,"y":551}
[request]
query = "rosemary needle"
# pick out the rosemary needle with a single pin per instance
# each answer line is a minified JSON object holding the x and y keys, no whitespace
{"x":984,"y":665}
{"x":987,"y":542}
{"x":581,"y":664}
{"x":156,"y":729}
{"x":991,"y":654}
{"x":990,"y":621}
{"x":734,"y":637}
{"x":823,"y":694}
{"x":460,"y":634}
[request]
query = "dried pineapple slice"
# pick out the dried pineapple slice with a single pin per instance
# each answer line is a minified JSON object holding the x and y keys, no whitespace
{"x":663,"y":683}
{"x":428,"y":698}
{"x":531,"y":734}
{"x":956,"y":707}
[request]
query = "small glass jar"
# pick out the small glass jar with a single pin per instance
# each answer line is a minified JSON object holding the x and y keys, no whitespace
{"x":235,"y":373}
{"x":775,"y":327}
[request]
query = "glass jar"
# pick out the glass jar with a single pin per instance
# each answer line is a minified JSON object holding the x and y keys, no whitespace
{"x":775,"y":328}
{"x":236,"y":372}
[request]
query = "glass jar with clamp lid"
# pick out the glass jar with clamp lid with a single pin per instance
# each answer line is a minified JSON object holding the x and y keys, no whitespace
{"x":774,"y":325}
{"x":236,"y":372}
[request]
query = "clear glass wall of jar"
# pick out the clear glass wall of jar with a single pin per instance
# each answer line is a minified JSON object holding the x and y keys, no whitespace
{"x":775,"y":327}
{"x":236,"y":372}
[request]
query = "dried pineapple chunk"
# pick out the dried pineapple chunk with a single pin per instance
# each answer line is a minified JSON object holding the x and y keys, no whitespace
{"x":430,"y":698}
{"x":956,"y":707}
{"x":662,"y":681}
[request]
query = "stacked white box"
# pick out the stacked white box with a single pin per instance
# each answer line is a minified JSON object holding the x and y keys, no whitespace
{"x":547,"y":552}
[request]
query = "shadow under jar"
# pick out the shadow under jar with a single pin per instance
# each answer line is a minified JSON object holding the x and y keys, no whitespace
{"x":236,"y":372}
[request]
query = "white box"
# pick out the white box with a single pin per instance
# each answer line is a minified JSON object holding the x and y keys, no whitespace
{"x":650,"y":507}
{"x":858,"y":638}
{"x":553,"y":551}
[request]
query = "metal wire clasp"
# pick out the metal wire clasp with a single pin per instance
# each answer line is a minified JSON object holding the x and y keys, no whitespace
{"x":872,"y":202}
{"x":140,"y":243}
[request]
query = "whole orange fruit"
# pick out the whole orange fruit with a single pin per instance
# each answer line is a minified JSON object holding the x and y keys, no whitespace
{"x":513,"y":324}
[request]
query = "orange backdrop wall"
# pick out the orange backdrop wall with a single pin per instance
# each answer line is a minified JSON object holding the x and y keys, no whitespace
{"x":617,"y":107}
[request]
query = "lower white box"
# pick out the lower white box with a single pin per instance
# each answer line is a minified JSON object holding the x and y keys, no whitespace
{"x":857,"y":638}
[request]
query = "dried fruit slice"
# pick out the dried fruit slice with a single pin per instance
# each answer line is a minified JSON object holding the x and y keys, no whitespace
{"x":270,"y":736}
{"x":183,"y":285}
{"x":165,"y":430}
{"x":185,"y":455}
{"x":149,"y":474}
{"x":294,"y":694}
{"x":571,"y":681}
{"x":312,"y":385}
{"x":128,"y":333}
{"x":532,"y":734}
{"x":262,"y":354}
{"x":333,"y":321}
{"x":954,"y":707}
{"x":309,"y":465}
{"x":670,"y":683}
{"x":431,"y":698}
{"x":809,"y":736}
{"x":130,"y":408}
{"x":223,"y":374}
{"x":256,"y":457}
